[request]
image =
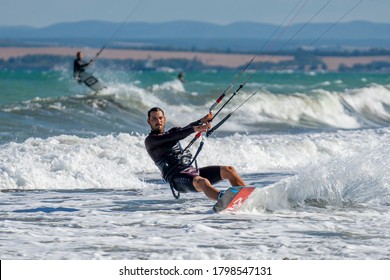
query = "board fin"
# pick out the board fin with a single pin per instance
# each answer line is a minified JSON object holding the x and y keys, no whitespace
{"x":232,"y":198}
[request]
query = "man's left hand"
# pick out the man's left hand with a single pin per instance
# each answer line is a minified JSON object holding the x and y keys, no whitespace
{"x":202,"y":128}
{"x":206,"y":119}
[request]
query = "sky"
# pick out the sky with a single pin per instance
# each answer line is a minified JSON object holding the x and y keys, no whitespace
{"x":42,"y":13}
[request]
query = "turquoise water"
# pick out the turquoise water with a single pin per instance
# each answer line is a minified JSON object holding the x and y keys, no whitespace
{"x":24,"y":85}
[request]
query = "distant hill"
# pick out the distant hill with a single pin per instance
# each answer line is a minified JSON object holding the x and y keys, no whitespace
{"x":192,"y":34}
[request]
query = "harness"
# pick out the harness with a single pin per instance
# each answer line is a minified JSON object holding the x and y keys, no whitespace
{"x":175,"y":162}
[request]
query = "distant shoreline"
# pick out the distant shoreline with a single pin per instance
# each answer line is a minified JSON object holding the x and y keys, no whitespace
{"x":211,"y":59}
{"x":228,"y":60}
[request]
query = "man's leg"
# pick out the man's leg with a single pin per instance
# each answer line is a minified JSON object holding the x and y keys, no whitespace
{"x":230,"y":173}
{"x":203,"y":185}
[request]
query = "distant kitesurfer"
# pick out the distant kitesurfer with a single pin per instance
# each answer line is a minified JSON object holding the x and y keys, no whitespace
{"x":166,"y":152}
{"x":79,"y":65}
{"x":181,"y":77}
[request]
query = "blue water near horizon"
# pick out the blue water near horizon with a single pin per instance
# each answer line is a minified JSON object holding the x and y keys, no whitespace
{"x":77,"y":183}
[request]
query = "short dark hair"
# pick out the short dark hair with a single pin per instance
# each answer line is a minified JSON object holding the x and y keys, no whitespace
{"x":155,"y":109}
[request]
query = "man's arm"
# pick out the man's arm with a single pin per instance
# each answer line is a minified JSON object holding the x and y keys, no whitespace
{"x":85,"y":65}
{"x":173,"y":135}
{"x":179,"y":133}
{"x":79,"y":64}
{"x":155,"y":143}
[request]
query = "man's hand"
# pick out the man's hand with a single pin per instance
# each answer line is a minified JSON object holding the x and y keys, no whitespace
{"x":202,"y":128}
{"x":206,"y":123}
{"x":206,"y":119}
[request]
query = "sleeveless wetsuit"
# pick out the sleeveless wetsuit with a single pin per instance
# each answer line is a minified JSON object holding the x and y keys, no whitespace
{"x":167,"y":153}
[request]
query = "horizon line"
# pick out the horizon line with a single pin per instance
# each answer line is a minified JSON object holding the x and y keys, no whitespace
{"x":179,"y":20}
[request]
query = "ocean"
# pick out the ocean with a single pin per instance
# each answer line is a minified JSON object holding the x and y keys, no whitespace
{"x":76,"y":181}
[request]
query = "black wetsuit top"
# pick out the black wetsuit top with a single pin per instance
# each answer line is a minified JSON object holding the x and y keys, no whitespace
{"x":79,"y":66}
{"x":166,"y":151}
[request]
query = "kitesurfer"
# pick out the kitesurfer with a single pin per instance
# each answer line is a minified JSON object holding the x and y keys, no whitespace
{"x":79,"y":65}
{"x":175,"y":165}
{"x":181,"y":77}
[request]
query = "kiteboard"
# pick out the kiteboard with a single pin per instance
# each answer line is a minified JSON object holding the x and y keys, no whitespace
{"x":89,"y":80}
{"x":233,"y":198}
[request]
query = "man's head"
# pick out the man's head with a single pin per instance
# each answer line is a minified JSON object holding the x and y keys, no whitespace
{"x":79,"y":55}
{"x":156,"y":119}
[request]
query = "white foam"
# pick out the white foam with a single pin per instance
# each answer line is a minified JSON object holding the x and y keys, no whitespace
{"x":335,"y":167}
{"x":175,"y":86}
{"x":370,"y":102}
{"x":299,"y":109}
{"x":339,"y":167}
{"x":70,"y":162}
{"x":352,"y":169}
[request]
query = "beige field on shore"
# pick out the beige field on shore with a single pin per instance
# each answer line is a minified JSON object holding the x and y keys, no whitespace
{"x":211,"y":59}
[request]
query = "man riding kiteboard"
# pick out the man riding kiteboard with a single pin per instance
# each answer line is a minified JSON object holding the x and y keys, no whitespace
{"x":175,"y":163}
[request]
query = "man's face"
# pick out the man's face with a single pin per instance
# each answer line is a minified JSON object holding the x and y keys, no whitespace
{"x":157,"y":121}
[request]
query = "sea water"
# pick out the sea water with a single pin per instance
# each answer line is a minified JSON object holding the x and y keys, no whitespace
{"x":76,"y":181}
